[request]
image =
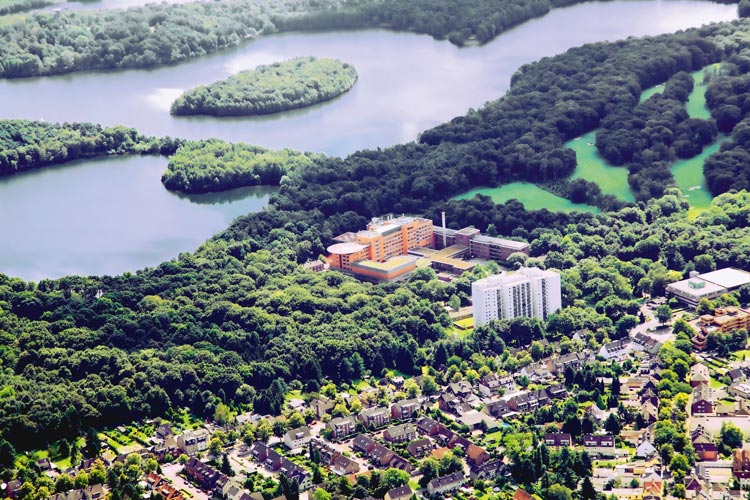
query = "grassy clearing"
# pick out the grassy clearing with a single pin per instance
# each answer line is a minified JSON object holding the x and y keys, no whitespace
{"x":532,"y":196}
{"x":715,"y":384}
{"x":612,"y":180}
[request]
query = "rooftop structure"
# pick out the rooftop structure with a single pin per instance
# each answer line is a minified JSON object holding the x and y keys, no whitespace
{"x":392,"y":247}
{"x":708,"y":286}
{"x":380,"y":251}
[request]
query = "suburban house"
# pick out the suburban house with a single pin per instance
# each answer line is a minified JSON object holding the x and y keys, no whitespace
{"x":400,"y":433}
{"x":419,"y":448}
{"x":322,"y":406}
{"x":489,"y":470}
{"x":342,"y":427}
{"x":601,"y":445}
{"x":478,"y":420}
{"x":400,"y":493}
{"x":741,"y":467}
{"x":557,"y":440}
{"x":616,"y":351}
{"x":498,"y":409}
{"x":645,"y":450}
{"x":643,"y":342}
{"x":407,"y":408}
{"x":206,"y":476}
{"x":736,"y":375}
{"x":476,"y":455}
{"x":95,"y":492}
{"x":162,"y":487}
{"x":375,"y":417}
{"x":381,"y":455}
{"x":488,"y":385}
{"x":343,"y":466}
{"x":702,"y":400}
{"x":427,"y":426}
{"x":363,"y":444}
{"x":192,"y":442}
{"x":739,"y":389}
{"x":699,"y":375}
{"x":297,"y":438}
{"x":444,"y":484}
{"x":704,"y":445}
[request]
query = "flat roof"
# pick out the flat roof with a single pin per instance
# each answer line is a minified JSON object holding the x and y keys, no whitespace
{"x":347,"y":248}
{"x":728,"y":277}
{"x":456,"y":263}
{"x":389,"y":265}
{"x":447,"y":231}
{"x":685,"y":288}
{"x":500,"y":241}
{"x":450,"y":251}
{"x":423,"y":252}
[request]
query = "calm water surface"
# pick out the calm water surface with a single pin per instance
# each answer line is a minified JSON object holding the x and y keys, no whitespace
{"x":106,"y":216}
{"x":109,"y":216}
{"x":407,"y":83}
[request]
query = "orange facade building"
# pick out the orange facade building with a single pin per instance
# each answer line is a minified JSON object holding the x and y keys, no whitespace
{"x":382,"y":241}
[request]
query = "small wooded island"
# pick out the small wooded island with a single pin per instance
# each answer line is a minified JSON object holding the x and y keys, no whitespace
{"x":274,"y":88}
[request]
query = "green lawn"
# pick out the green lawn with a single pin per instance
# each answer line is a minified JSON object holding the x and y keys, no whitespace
{"x":739,"y":355}
{"x":612,"y":180}
{"x":715,"y":384}
{"x":532,"y":196}
{"x":465,"y":323}
{"x":656,"y":89}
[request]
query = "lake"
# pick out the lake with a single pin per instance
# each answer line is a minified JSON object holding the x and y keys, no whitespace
{"x":407,"y":82}
{"x":107,"y":216}
{"x":112,"y":221}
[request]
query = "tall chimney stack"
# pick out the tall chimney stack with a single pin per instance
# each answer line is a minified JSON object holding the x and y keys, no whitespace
{"x":444,"y":237}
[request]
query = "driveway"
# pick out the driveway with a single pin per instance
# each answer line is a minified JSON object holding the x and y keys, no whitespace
{"x":171,"y":471}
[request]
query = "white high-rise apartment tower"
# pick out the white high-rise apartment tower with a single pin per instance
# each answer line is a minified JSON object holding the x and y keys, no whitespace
{"x":529,"y":292}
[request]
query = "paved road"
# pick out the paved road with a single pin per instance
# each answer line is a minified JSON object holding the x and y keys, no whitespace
{"x":171,"y":471}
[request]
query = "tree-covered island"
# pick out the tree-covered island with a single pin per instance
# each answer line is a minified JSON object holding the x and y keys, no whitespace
{"x":273,"y":88}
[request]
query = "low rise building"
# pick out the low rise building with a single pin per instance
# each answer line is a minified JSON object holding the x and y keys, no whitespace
{"x":599,"y":445}
{"x":400,"y":433}
{"x":444,"y":484}
{"x":708,"y":285}
{"x":400,"y":493}
{"x":192,"y":442}
{"x":376,"y":417}
{"x":297,"y":438}
{"x":342,"y":427}
{"x":557,"y":440}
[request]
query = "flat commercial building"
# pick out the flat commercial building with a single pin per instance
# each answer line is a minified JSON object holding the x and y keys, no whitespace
{"x":529,"y":292}
{"x":478,"y":245}
{"x":708,"y":286}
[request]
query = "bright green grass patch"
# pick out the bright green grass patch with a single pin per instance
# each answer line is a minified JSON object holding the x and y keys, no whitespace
{"x":715,"y":384}
{"x":656,"y":89}
{"x":738,"y":355}
{"x":494,"y":436}
{"x":295,"y":394}
{"x":465,"y":323}
{"x":690,"y":179}
{"x":592,"y":167}
{"x":532,"y":196}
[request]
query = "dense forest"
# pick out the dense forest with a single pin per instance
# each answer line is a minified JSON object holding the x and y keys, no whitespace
{"x":214,"y":165}
{"x":12,"y":6}
{"x":729,"y":100}
{"x":277,"y":87}
{"x":651,"y":136}
{"x":141,"y":37}
{"x":239,"y":321}
{"x":25,"y":144}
